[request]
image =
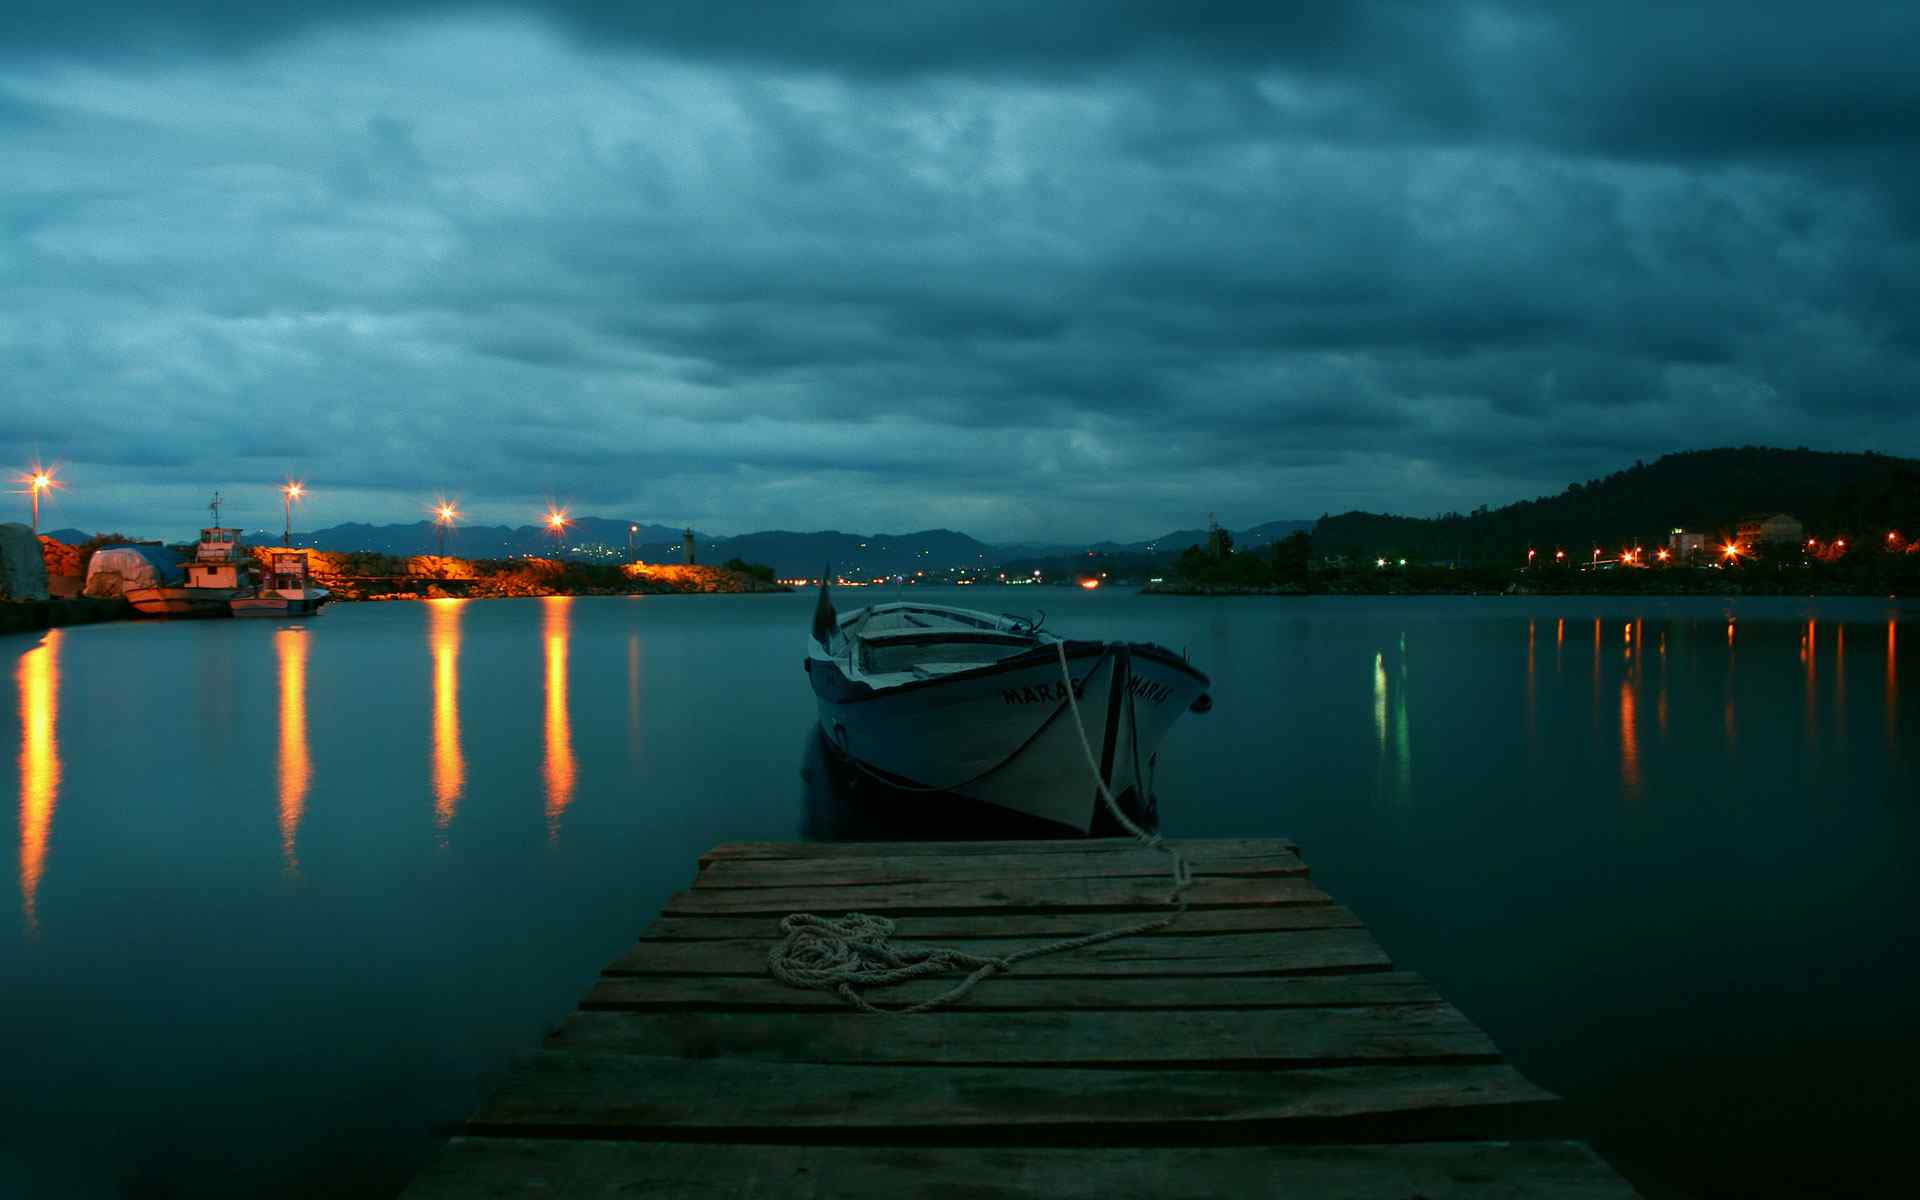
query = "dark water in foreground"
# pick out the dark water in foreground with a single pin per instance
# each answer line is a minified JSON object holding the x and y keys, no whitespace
{"x":285,"y":899}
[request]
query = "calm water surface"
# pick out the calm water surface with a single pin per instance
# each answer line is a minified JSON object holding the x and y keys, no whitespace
{"x":286,"y":900}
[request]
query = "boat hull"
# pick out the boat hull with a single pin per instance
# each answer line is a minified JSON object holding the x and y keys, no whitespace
{"x":181,"y":601}
{"x":276,"y":606}
{"x":1005,"y":733}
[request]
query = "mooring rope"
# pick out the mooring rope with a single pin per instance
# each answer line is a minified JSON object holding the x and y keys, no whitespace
{"x":844,"y":954}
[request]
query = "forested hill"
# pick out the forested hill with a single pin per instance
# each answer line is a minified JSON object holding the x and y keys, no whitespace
{"x":1836,"y":495}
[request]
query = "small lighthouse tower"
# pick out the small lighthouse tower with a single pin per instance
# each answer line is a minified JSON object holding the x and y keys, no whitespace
{"x":686,"y":544}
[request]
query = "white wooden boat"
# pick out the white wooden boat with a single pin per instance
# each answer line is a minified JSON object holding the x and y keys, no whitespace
{"x":214,"y":577}
{"x":287,"y":590}
{"x":931,"y":698}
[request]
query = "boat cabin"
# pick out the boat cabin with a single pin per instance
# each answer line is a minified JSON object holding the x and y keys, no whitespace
{"x":216,"y":559}
{"x":289,"y":571}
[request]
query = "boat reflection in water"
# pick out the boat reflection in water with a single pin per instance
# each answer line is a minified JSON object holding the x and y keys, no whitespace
{"x":449,"y":766}
{"x":558,"y":763}
{"x":38,"y":677}
{"x":296,"y":767}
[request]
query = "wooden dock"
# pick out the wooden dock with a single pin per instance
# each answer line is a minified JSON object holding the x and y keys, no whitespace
{"x":1261,"y":1046}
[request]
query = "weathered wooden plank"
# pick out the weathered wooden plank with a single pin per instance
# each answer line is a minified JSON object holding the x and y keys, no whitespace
{"x":1055,"y":895}
{"x":836,"y":872}
{"x":1012,"y":993}
{"x":1192,"y":847}
{"x":522,"y":1168}
{"x":598,"y":1095}
{"x":1305,"y":1037}
{"x":1292,"y":952}
{"x":941,"y":927}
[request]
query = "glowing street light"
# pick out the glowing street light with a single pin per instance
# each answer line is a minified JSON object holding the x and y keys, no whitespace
{"x":291,"y":491}
{"x":444,"y":515}
{"x":38,"y":480}
{"x":557,"y":525}
{"x":631,"y":530}
{"x":1559,"y":556}
{"x":1663,"y":555}
{"x":1530,"y":553}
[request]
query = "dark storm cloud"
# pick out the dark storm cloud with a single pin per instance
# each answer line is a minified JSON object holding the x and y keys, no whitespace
{"x":1073,"y":268}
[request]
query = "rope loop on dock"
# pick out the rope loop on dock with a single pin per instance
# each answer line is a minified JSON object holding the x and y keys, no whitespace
{"x":844,"y":954}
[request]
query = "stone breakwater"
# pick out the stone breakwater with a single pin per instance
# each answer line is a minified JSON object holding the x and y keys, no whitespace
{"x":362,"y":576}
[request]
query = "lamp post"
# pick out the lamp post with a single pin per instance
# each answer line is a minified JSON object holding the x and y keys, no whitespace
{"x":557,"y":525}
{"x":288,"y":494}
{"x":443,"y":517}
{"x":39,"y":481}
{"x":631,"y":530}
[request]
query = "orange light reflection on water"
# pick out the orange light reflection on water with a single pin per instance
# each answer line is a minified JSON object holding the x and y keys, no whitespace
{"x":1631,"y":637}
{"x":38,"y":677}
{"x":1893,"y":692}
{"x":1629,"y":741}
{"x":296,"y":768}
{"x":1809,"y":703}
{"x":449,"y":766}
{"x":559,"y":763}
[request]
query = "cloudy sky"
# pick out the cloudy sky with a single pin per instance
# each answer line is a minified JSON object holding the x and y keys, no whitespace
{"x":1059,"y":269}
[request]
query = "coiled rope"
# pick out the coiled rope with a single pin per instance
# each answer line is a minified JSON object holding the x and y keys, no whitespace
{"x":845,"y":954}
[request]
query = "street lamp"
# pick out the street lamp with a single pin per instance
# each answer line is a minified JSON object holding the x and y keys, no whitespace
{"x":288,"y":494}
{"x":39,"y":480}
{"x":557,"y":525}
{"x":631,"y":530}
{"x":443,"y":518}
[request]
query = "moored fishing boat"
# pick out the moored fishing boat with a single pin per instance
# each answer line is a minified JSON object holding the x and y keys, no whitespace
{"x":214,"y":577}
{"x":932,"y":698}
{"x":286,"y":591}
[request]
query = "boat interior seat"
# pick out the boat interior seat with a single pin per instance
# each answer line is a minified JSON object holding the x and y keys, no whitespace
{"x":883,"y":655}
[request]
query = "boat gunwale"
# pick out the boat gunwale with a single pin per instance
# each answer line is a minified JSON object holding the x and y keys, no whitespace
{"x":860,"y":691}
